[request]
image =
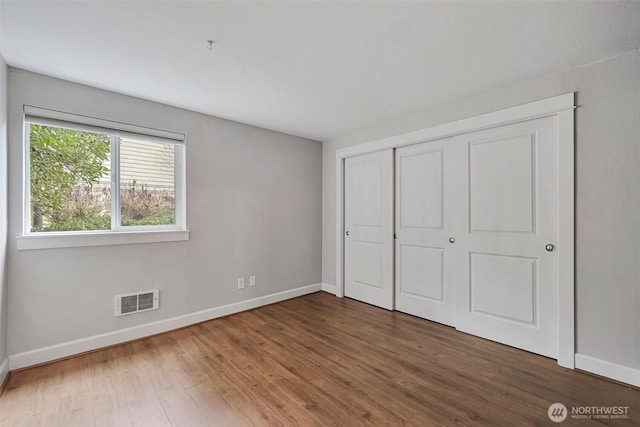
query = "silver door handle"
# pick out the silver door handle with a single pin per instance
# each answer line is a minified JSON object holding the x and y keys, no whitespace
{"x":347,"y":232}
{"x":550,"y":247}
{"x":452,"y":239}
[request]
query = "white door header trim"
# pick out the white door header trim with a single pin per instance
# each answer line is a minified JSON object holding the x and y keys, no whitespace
{"x":532,"y":110}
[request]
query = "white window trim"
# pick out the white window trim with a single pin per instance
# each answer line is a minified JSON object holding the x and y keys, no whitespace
{"x":118,"y":234}
{"x":77,"y":239}
{"x":101,"y":125}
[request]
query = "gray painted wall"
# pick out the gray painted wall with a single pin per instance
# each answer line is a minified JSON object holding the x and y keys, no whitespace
{"x":3,"y":213}
{"x":607,"y":193}
{"x":254,"y":207}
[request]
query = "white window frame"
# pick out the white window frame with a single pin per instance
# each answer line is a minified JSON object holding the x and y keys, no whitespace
{"x":118,"y":234}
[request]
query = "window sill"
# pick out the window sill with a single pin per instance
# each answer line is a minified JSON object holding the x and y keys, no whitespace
{"x":107,"y":238}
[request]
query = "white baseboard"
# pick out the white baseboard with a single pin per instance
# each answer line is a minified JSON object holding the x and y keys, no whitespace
{"x":58,"y":351}
{"x":329,"y":288}
{"x":4,"y":370}
{"x":607,"y":369}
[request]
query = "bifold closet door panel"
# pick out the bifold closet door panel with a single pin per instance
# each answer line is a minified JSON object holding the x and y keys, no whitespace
{"x":368,"y":218}
{"x":507,"y":200}
{"x":424,"y":285}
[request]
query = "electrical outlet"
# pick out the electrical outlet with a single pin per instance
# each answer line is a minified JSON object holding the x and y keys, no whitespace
{"x":252,"y":281}
{"x":241,"y":283}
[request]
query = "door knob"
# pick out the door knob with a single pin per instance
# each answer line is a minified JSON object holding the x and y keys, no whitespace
{"x":452,"y":239}
{"x":550,"y":247}
{"x":347,"y":232}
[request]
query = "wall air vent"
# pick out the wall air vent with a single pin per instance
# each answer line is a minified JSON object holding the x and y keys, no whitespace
{"x":135,"y":303}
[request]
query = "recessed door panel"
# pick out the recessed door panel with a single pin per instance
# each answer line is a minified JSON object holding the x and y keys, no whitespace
{"x":421,"y":272}
{"x":504,"y":287}
{"x":368,"y":257}
{"x":367,"y":263}
{"x":367,"y":208}
{"x":421,"y":194}
{"x":502,"y":185}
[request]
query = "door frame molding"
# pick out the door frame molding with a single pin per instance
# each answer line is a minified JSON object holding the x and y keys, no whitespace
{"x":561,"y":106}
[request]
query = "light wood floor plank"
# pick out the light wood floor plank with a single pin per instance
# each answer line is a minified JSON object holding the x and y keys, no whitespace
{"x":148,"y":413}
{"x":117,"y":418}
{"x":214,"y":408}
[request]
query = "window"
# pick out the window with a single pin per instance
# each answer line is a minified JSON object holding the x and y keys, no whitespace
{"x":89,"y":176}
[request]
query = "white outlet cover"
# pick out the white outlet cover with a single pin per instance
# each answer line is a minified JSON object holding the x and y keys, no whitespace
{"x":252,"y":281}
{"x":241,"y":283}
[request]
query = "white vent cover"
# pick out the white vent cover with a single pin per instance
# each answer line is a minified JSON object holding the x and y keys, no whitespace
{"x":135,"y":303}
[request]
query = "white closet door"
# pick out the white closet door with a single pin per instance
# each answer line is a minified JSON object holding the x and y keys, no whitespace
{"x":368,"y":218}
{"x":424,"y":284}
{"x":507,"y":271}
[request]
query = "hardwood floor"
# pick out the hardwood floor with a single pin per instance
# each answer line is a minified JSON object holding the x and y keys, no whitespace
{"x":310,"y":361}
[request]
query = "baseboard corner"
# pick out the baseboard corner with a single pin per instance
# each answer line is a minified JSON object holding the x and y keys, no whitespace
{"x":4,"y":374}
{"x":332,"y":289}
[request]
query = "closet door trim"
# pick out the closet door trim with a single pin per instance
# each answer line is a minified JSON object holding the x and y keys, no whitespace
{"x":561,"y":106}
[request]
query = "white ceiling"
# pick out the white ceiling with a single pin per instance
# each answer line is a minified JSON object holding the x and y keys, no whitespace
{"x":315,"y":69}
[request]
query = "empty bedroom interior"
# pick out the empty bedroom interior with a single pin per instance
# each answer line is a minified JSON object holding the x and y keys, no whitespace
{"x":319,"y":213}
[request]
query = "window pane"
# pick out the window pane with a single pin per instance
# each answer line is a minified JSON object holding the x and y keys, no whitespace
{"x":147,"y":183}
{"x":70,"y":179}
